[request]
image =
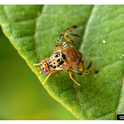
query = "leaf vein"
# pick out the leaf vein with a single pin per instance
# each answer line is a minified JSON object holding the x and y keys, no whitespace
{"x":83,"y":35}
{"x":81,"y":103}
{"x":106,"y":114}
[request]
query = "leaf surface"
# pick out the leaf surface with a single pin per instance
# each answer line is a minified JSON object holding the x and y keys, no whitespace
{"x":33,"y":30}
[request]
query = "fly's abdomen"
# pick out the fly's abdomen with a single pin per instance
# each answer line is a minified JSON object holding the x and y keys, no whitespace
{"x":73,"y":57}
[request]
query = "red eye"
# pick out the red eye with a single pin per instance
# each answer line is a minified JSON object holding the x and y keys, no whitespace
{"x":42,"y":62}
{"x":45,"y":71}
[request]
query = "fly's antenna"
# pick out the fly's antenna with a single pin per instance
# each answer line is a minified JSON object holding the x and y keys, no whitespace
{"x":36,"y":64}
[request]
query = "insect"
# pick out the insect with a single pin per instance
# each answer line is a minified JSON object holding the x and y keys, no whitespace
{"x":65,"y":57}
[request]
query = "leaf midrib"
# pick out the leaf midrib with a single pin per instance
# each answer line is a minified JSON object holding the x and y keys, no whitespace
{"x":83,"y":35}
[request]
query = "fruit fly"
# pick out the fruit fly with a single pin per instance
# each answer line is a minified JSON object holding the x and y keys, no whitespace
{"x":65,"y":57}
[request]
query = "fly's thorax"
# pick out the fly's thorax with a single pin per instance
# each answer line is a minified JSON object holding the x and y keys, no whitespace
{"x":73,"y":57}
{"x":56,"y":60}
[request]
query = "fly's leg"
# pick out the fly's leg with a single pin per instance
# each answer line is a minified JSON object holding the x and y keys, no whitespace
{"x":54,"y":71}
{"x":40,"y":70}
{"x":91,"y":72}
{"x":73,"y":78}
{"x":80,"y":68}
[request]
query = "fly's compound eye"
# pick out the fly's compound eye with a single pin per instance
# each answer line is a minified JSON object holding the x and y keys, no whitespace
{"x":45,"y":71}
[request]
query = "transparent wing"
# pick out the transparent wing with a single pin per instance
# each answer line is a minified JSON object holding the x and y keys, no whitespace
{"x":69,"y":37}
{"x":89,"y":65}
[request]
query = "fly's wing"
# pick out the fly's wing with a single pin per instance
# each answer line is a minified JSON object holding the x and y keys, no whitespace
{"x":89,"y":65}
{"x":70,"y":37}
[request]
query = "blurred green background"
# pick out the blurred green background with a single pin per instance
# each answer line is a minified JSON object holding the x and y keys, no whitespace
{"x":21,"y":94}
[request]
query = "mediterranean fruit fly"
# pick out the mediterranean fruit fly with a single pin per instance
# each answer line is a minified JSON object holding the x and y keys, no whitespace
{"x":65,"y":57}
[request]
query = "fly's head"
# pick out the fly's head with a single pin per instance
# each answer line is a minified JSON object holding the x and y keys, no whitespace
{"x":44,"y":67}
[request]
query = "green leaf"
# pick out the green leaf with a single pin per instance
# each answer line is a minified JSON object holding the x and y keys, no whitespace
{"x":34,"y":30}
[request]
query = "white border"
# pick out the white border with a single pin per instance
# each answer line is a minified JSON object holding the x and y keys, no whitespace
{"x":55,"y":2}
